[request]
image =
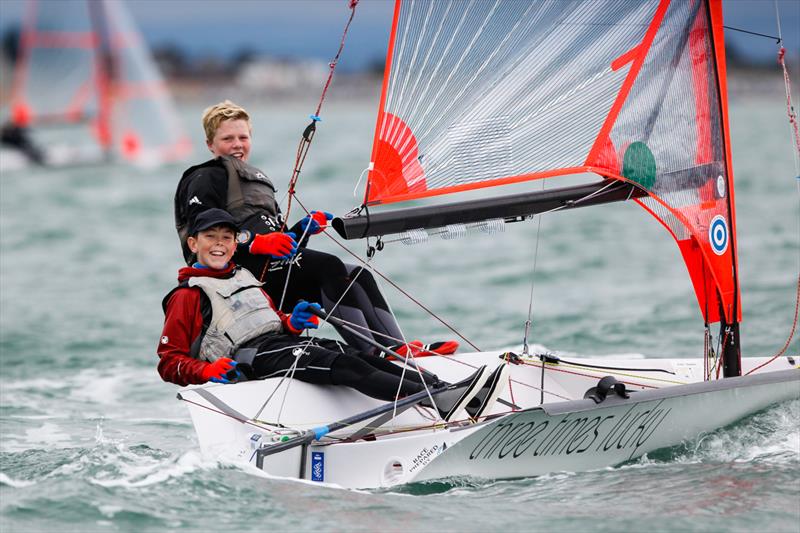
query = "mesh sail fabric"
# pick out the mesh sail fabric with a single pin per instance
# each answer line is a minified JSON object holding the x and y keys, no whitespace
{"x":57,"y":50}
{"x":84,"y":62}
{"x":480,"y":93}
{"x":146,"y":125}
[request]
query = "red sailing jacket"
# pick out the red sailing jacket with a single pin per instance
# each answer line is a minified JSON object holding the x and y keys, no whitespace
{"x":183,"y":326}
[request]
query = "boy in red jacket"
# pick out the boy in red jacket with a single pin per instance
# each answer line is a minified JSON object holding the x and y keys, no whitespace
{"x":219,"y":324}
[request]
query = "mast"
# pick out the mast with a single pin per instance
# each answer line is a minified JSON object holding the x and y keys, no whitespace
{"x":104,"y":74}
{"x":729,"y":325}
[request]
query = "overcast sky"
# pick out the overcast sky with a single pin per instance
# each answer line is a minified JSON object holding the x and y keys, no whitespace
{"x":313,"y":27}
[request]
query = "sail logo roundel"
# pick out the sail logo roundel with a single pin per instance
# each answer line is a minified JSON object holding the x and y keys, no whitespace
{"x":718,"y":234}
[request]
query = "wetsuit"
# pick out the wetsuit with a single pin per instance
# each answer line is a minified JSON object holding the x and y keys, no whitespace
{"x":315,"y":276}
{"x":188,"y":315}
{"x":17,"y":137}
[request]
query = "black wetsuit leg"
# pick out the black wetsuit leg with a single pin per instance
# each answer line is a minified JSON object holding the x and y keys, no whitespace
{"x":319,"y":365}
{"x":380,"y":363}
{"x":322,"y":277}
{"x":380,"y":318}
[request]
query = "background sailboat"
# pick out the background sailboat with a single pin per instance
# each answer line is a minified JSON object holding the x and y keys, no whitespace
{"x":84,"y":69}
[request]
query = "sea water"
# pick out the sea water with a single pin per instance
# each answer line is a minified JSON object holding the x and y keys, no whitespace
{"x":91,"y":439}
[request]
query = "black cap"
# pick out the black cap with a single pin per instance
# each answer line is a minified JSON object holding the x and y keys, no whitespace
{"x":213,"y":217}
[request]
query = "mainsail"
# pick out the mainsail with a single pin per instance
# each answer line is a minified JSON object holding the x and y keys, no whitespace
{"x":83,"y":62}
{"x":479,"y":94}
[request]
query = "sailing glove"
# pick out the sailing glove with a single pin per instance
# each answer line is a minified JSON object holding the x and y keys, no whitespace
{"x":219,"y":371}
{"x":302,"y":318}
{"x":278,"y":245}
{"x":315,"y":222}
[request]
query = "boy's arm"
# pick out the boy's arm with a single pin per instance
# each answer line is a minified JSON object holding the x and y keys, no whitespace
{"x":182,"y":325}
{"x":287,"y":326}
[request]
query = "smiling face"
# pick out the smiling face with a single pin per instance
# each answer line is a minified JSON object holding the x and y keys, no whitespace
{"x":214,"y":247}
{"x":231,"y":138}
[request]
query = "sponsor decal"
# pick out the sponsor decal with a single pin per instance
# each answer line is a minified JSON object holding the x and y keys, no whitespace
{"x":425,"y":455}
{"x":164,"y":339}
{"x":195,"y":201}
{"x":573,"y":433}
{"x":318,"y":466}
{"x":281,"y":263}
{"x":718,"y":234}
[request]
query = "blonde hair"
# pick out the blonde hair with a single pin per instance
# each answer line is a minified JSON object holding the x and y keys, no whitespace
{"x":214,"y":115}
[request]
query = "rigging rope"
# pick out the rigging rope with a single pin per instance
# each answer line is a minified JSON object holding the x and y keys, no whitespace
{"x":528,"y":322}
{"x":795,"y":137}
{"x":308,"y":134}
{"x":794,"y":132}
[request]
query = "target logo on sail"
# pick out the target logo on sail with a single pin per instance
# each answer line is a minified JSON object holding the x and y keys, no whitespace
{"x":718,"y":234}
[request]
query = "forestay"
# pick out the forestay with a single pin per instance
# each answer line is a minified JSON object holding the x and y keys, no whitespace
{"x":479,"y":94}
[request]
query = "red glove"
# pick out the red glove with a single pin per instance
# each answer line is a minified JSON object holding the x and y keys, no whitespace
{"x":217,"y":371}
{"x":278,"y":245}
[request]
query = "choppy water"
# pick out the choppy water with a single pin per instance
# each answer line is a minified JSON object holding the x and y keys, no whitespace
{"x":92,"y":440}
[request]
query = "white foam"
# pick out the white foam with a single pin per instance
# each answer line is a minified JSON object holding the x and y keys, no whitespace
{"x":770,"y":437}
{"x":134,"y":476}
{"x":15,"y":483}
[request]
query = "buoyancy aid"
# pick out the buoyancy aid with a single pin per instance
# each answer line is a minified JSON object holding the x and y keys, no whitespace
{"x":250,"y":200}
{"x":240,"y":311}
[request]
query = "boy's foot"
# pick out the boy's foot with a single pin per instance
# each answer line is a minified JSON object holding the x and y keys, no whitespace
{"x":451,"y":402}
{"x":417,"y":349}
{"x":484,"y":399}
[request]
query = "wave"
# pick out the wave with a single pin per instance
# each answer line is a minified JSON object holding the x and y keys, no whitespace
{"x":7,"y":481}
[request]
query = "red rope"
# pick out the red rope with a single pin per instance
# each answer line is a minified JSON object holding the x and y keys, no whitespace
{"x":308,"y":134}
{"x":791,"y":333}
{"x":332,"y":65}
{"x":796,"y":132}
{"x":789,"y":106}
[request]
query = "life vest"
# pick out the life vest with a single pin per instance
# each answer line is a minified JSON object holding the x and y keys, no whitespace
{"x":250,"y":201}
{"x":240,"y":312}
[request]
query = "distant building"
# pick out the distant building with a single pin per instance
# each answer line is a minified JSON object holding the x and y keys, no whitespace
{"x":282,"y":75}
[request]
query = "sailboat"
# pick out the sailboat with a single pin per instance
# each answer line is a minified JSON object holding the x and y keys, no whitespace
{"x":478,"y":95}
{"x":86,"y":86}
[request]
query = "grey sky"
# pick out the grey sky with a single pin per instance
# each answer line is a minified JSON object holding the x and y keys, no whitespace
{"x":313,"y":27}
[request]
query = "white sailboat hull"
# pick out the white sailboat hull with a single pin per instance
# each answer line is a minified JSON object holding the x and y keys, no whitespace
{"x":571,"y":434}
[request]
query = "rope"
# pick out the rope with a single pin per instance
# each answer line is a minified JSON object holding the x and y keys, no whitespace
{"x":308,"y":134}
{"x":300,"y":158}
{"x":778,"y":39}
{"x":529,"y":321}
{"x":403,"y":292}
{"x":795,"y":135}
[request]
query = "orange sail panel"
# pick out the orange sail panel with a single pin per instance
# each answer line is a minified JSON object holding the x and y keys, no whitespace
{"x":478,"y":94}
